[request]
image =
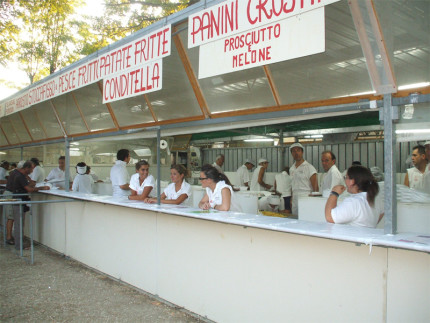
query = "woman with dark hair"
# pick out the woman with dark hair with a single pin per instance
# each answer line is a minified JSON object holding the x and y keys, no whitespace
{"x":219,"y":192}
{"x":141,"y":183}
{"x":359,"y":209}
{"x":178,"y":191}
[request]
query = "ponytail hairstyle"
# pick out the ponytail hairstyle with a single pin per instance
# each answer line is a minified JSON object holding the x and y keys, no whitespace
{"x":180,"y":169}
{"x":212,"y":173}
{"x":365,"y":182}
{"x":141,"y":163}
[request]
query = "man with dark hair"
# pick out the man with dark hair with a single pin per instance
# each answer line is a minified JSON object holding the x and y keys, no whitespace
{"x":18,"y":183}
{"x":332,"y":175}
{"x":303,"y":176}
{"x":414,"y":176}
{"x":59,"y":172}
{"x":118,"y":174}
{"x":38,"y":174}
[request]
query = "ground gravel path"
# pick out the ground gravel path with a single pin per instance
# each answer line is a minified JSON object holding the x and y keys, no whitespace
{"x":56,"y":289}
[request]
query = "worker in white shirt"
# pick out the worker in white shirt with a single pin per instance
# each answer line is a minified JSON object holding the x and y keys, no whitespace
{"x":243,"y":173}
{"x":58,"y":174}
{"x":415,"y":175}
{"x":219,"y":161}
{"x":283,"y":188}
{"x":303,"y":175}
{"x":119,"y":175}
{"x":4,"y":167}
{"x":332,"y":175}
{"x":258,"y":179}
{"x":426,"y":179}
{"x":38,"y":174}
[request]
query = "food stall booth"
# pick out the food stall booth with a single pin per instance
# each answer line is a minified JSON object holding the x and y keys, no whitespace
{"x":339,"y":59}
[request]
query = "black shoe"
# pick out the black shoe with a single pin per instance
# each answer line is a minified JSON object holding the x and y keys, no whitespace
{"x":10,"y":242}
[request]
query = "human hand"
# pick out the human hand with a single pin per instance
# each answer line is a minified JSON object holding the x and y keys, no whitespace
{"x":339,"y":189}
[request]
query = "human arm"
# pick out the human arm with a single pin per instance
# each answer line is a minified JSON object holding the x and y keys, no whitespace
{"x":125,"y":187}
{"x":260,"y":179}
{"x":181,"y":198}
{"x":141,"y":197}
{"x":380,"y":217}
{"x":406,"y":180}
{"x":226,"y":200}
{"x":31,"y":189}
{"x":314,"y":182}
{"x":332,"y":202}
{"x":204,"y":203}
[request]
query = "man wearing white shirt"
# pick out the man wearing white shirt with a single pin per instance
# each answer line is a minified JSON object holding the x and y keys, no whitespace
{"x":4,"y":167}
{"x":38,"y":174}
{"x":243,"y":173}
{"x":119,"y":175}
{"x":58,"y":174}
{"x":219,"y":161}
{"x":426,"y":179}
{"x":415,"y":175}
{"x":332,"y":175}
{"x":303,"y":176}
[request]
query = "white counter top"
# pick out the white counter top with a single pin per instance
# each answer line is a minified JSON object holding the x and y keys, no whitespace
{"x":368,"y":236}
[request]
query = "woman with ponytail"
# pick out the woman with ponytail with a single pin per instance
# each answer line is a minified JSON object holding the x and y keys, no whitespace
{"x":361,"y":207}
{"x":219,"y":192}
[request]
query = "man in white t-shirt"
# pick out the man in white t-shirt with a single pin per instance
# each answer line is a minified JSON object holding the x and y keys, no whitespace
{"x":38,"y":174}
{"x":426,"y":179}
{"x":119,"y":175}
{"x":58,"y":174}
{"x":243,"y":173}
{"x":332,"y":175}
{"x":4,"y":167}
{"x":219,"y":161}
{"x":303,"y":176}
{"x":415,"y":175}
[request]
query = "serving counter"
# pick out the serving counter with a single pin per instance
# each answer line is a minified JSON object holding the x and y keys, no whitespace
{"x":238,"y":267}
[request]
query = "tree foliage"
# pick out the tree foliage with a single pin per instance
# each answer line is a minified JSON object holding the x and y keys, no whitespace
{"x":46,"y":35}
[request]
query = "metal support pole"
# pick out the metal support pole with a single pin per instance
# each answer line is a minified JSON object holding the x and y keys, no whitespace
{"x":4,"y":224}
{"x":21,"y":230}
{"x":22,"y":153}
{"x":390,"y":114}
{"x":158,"y":166}
{"x":31,"y":235}
{"x":67,"y":167}
{"x":281,"y":144}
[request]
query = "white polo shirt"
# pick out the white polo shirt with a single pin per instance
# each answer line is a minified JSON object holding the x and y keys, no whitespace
{"x":56,"y":174}
{"x":416,"y":177}
{"x":38,"y":174}
{"x":283,"y":184}
{"x":332,"y":178}
{"x":355,"y":210}
{"x":243,"y":175}
{"x":136,"y":186}
{"x":3,"y":173}
{"x":83,"y":184}
{"x":119,"y":176}
{"x":171,"y":194}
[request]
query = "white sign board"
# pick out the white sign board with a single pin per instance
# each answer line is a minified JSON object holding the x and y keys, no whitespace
{"x":236,"y":16}
{"x":290,"y":38}
{"x":132,"y":69}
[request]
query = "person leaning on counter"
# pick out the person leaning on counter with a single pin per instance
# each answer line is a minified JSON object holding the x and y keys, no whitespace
{"x":177,"y":192}
{"x":119,"y":175}
{"x":141,"y":183}
{"x":361,"y":208}
{"x":219,"y":191}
